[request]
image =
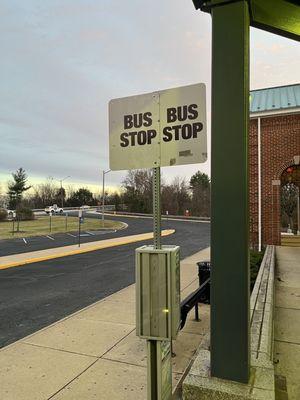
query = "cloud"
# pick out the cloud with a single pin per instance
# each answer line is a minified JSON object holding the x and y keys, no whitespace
{"x":62,"y":61}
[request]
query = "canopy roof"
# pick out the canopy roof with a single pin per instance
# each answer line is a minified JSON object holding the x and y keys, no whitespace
{"x":276,"y":98}
{"x":278,"y":16}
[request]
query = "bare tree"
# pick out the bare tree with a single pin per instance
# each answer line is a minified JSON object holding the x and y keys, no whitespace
{"x":289,"y":193}
{"x":176,"y":197}
{"x":137,"y":191}
{"x":44,"y":193}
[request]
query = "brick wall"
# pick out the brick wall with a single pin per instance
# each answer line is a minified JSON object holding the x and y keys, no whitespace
{"x":280,"y":143}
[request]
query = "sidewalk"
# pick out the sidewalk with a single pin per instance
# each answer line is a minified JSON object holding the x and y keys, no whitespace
{"x":94,"y":353}
{"x":287,"y":322}
{"x":42,"y":255}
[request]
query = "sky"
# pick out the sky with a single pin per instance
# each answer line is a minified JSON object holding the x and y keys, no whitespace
{"x":63,"y":60}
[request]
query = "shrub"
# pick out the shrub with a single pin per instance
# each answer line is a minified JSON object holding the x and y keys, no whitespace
{"x":24,"y":213}
{"x":3,"y":214}
{"x":255,"y":261}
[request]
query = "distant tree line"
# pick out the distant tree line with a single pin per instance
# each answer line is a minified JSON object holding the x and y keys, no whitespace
{"x":176,"y":197}
{"x":43,"y":194}
{"x":135,"y":194}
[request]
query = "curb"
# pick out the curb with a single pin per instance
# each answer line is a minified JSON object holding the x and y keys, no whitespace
{"x":100,"y":246}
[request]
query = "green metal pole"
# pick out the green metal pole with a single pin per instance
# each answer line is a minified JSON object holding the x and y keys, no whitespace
{"x":229,"y":168}
{"x":152,"y":371}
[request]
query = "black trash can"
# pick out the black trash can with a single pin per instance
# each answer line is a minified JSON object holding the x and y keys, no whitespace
{"x":204,"y":274}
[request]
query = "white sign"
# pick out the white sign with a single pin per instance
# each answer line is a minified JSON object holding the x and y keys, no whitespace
{"x":158,"y":129}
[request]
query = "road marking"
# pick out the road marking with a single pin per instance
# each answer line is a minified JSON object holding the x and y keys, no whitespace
{"x":90,"y":233}
{"x":70,"y":234}
{"x":24,"y":240}
{"x":50,"y":237}
{"x":86,"y":248}
{"x":163,"y":218}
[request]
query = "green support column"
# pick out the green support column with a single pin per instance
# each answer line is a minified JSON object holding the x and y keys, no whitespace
{"x":230,"y":356}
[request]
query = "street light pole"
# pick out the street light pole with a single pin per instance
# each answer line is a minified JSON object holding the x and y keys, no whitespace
{"x":103,"y":192}
{"x":298,"y":212}
{"x":61,"y":192}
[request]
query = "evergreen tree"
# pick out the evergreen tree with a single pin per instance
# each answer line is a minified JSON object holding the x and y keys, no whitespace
{"x":16,"y":188}
{"x":81,"y":197}
{"x":200,"y":179}
{"x":200,"y":186}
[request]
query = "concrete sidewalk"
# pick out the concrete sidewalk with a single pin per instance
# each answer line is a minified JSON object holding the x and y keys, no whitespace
{"x":94,"y":353}
{"x":16,"y":260}
{"x":287,"y":323}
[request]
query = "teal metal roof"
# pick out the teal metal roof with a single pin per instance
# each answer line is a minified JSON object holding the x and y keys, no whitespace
{"x":277,"y":98}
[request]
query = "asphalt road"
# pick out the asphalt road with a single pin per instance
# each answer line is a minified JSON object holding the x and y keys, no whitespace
{"x":36,"y":295}
{"x":34,"y":243}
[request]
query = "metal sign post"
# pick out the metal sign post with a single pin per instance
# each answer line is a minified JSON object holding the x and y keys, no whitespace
{"x":163,"y":128}
{"x":156,"y":208}
{"x":159,"y":365}
{"x":50,"y":221}
{"x":13,"y":222}
{"x":79,"y":226}
{"x":103,"y":193}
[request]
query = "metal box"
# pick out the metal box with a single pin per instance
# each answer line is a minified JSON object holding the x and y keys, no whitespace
{"x":157,"y":292}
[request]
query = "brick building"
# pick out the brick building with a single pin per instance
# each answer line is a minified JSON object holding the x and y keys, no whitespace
{"x":274,"y":158}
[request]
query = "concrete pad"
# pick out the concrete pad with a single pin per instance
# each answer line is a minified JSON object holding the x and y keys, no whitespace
{"x":288,"y":278}
{"x":264,"y":379}
{"x":132,"y":350}
{"x":109,"y":380}
{"x":187,"y":277}
{"x":202,"y":255}
{"x":125,"y":295}
{"x":185,"y":347}
{"x":288,"y":297}
{"x":287,"y":356}
{"x":34,"y":373}
{"x":287,"y":325}
{"x":110,"y":311}
{"x":81,"y":336}
{"x":198,"y":327}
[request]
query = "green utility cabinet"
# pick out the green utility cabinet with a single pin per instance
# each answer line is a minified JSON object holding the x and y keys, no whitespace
{"x":158,"y":292}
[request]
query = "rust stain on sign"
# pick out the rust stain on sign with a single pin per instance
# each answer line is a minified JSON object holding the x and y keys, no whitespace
{"x":185,"y":153}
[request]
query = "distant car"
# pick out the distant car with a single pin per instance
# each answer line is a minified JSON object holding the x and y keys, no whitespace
{"x":54,"y":209}
{"x":10,"y":213}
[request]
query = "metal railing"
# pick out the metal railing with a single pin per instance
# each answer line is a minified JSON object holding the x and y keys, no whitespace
{"x":200,"y":295}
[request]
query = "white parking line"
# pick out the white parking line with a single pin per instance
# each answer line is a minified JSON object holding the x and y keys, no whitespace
{"x":24,"y":240}
{"x":70,"y":234}
{"x":90,"y":233}
{"x":49,"y":237}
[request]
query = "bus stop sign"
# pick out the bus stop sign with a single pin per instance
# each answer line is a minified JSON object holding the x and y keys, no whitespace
{"x":162,"y":128}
